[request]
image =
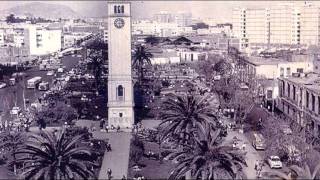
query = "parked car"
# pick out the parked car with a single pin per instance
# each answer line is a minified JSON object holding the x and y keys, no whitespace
{"x":85,"y":98}
{"x":12,"y":81}
{"x":286,"y":130}
{"x":258,"y":141}
{"x":15,"y":110}
{"x":50,"y":73}
{"x":274,"y":162}
{"x":2,"y":85}
{"x":60,"y":70}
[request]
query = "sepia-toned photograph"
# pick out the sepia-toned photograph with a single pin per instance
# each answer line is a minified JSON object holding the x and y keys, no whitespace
{"x":150,"y":90}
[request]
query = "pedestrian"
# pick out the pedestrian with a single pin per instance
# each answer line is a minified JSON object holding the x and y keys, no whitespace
{"x":149,"y":154}
{"x":109,"y":172}
{"x":107,"y":128}
{"x":123,"y":177}
{"x":243,"y":146}
{"x":256,"y":164}
{"x":118,"y":128}
{"x":109,"y":147}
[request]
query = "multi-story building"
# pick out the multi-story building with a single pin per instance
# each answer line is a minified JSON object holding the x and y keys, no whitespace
{"x":261,"y":70}
{"x":159,"y":29}
{"x":282,"y":25}
{"x":310,"y":25}
{"x":299,"y":99}
{"x":42,"y":41}
{"x":257,"y":25}
{"x":183,"y":19}
{"x":164,"y":17}
{"x":239,"y":26}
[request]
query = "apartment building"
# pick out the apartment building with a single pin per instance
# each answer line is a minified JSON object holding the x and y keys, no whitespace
{"x":42,"y":41}
{"x":239,"y":26}
{"x":257,"y":25}
{"x":284,"y":24}
{"x":280,"y":25}
{"x":183,"y":19}
{"x":164,"y":17}
{"x":310,"y":25}
{"x":299,"y":99}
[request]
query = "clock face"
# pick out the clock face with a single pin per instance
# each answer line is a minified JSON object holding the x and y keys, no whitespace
{"x":119,"y":23}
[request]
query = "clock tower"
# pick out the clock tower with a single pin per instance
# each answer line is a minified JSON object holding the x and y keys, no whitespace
{"x":120,"y":86}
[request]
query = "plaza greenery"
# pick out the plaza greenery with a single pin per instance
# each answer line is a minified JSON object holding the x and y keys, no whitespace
{"x":54,"y":156}
{"x":200,"y":154}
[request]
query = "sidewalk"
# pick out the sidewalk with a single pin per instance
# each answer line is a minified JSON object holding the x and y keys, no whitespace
{"x":117,"y":159}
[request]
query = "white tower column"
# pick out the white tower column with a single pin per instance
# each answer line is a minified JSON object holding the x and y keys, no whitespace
{"x":120,"y":86}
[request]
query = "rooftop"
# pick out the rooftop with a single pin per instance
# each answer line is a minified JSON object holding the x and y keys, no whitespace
{"x":310,"y":81}
{"x":256,"y":60}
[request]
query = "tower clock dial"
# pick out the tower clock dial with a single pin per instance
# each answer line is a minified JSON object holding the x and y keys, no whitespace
{"x":119,"y":23}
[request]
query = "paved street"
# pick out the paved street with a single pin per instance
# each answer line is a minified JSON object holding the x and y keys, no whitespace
{"x":13,"y":94}
{"x":118,"y":159}
{"x":252,"y":154}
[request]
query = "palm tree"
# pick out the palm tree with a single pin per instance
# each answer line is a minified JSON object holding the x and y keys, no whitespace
{"x":98,"y":53}
{"x":55,"y":156}
{"x":11,"y":142}
{"x":207,"y":158}
{"x":141,"y":57}
{"x":182,"y":114}
{"x":297,"y":172}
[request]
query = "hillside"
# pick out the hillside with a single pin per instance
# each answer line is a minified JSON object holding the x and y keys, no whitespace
{"x":40,"y":9}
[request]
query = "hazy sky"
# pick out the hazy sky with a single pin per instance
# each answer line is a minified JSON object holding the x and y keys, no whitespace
{"x":221,"y":10}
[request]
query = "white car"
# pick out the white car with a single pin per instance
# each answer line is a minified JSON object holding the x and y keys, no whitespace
{"x":274,"y":162}
{"x":286,"y":130}
{"x":85,"y":98}
{"x":50,"y":73}
{"x":15,"y":110}
{"x":2,"y":85}
{"x":60,"y":70}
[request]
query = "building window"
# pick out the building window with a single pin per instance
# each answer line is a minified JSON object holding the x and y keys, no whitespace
{"x":300,"y":70}
{"x":318,"y":104}
{"x":120,"y":93}
{"x":269,"y":94}
{"x":313,"y":102}
{"x":118,"y":9}
{"x":120,"y":114}
{"x":288,"y":90}
{"x":281,"y":72}
{"x":307,"y":99}
{"x":288,"y":71}
{"x":191,"y":57}
{"x":294,"y":92}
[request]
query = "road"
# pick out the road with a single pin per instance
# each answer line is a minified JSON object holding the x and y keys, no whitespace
{"x":13,"y":95}
{"x":252,"y":154}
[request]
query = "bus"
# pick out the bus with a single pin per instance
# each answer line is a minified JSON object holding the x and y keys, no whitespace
{"x":33,"y":82}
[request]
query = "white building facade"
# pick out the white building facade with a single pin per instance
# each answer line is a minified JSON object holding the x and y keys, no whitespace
{"x":285,"y":24}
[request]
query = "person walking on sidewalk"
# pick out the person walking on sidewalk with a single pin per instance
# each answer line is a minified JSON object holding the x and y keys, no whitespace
{"x":256,"y":164}
{"x":109,"y":173}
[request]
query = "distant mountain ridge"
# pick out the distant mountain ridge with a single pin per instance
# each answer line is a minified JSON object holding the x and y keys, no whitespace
{"x":40,"y":9}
